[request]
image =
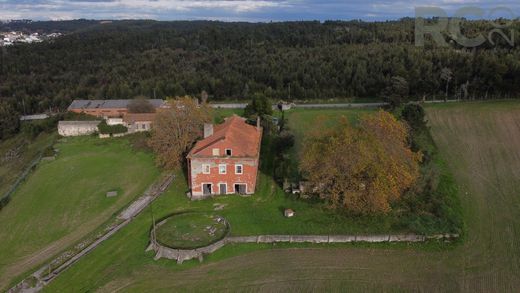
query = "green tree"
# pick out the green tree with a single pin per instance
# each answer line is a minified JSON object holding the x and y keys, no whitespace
{"x":397,"y":91}
{"x":413,"y":113}
{"x":9,"y":120}
{"x":260,"y":106}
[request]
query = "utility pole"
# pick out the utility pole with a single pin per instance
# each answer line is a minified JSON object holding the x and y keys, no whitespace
{"x":154,"y":238}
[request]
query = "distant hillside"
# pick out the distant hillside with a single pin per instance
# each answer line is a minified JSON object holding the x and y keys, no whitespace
{"x":48,"y":26}
{"x":287,"y":60}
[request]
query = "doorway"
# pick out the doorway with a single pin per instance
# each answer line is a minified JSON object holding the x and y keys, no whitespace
{"x":240,"y":188}
{"x":206,"y":189}
{"x":223,"y":188}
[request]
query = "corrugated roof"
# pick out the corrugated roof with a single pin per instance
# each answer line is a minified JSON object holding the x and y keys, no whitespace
{"x":108,"y":104}
{"x":235,"y":132}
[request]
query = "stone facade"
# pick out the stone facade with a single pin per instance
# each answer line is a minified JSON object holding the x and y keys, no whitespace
{"x":77,"y":128}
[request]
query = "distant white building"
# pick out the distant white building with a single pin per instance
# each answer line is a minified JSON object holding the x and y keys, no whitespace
{"x":77,"y":128}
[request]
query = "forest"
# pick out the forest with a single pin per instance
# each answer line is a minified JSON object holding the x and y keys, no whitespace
{"x":307,"y":60}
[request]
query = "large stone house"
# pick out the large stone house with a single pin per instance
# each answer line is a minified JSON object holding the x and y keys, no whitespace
{"x":226,"y":160}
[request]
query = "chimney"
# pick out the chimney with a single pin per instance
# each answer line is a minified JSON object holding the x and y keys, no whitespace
{"x":258,"y":122}
{"x":208,"y":129}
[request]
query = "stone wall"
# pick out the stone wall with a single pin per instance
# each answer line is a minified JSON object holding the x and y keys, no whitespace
{"x":182,"y":255}
{"x":77,"y":128}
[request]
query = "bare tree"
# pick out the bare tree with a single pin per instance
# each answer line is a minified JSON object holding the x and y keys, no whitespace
{"x":140,"y":104}
{"x":175,"y":130}
{"x":204,"y":97}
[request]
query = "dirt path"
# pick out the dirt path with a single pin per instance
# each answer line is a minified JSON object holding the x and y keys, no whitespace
{"x":127,"y":215}
{"x":31,"y":261}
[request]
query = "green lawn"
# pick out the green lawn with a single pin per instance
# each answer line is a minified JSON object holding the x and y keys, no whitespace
{"x":190,"y":230}
{"x":17,"y":153}
{"x":479,"y":141}
{"x":259,"y":214}
{"x":65,"y":199}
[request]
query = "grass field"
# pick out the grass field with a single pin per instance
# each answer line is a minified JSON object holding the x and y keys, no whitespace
{"x":64,"y":200}
{"x":190,"y":230}
{"x":480,"y":141}
{"x":17,"y":153}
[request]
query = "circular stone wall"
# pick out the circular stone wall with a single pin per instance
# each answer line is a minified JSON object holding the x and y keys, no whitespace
{"x":191,"y":230}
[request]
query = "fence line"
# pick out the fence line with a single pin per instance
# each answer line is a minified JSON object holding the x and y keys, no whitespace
{"x":47,"y":273}
{"x":7,"y":196}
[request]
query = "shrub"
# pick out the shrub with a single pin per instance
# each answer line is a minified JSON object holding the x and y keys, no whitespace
{"x":104,"y":128}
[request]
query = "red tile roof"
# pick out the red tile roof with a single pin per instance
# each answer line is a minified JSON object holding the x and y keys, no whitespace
{"x":138,"y":117}
{"x":234,"y":133}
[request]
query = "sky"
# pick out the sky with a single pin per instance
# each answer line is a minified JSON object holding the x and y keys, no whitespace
{"x":245,"y":10}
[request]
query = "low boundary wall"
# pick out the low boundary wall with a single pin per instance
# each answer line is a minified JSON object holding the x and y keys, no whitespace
{"x":182,"y":255}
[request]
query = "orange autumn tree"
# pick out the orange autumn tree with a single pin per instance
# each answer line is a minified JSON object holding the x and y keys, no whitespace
{"x":176,"y":128}
{"x":361,"y":169}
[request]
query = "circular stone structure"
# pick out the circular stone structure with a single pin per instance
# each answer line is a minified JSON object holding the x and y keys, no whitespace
{"x":191,"y":230}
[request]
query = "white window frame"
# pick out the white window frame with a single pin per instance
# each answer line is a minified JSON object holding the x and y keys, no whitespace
{"x":225,"y":169}
{"x":215,"y":152}
{"x":241,"y":169}
{"x":230,"y":152}
{"x":204,"y":167}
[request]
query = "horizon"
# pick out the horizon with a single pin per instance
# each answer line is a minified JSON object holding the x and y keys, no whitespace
{"x":244,"y":21}
{"x":255,"y":11}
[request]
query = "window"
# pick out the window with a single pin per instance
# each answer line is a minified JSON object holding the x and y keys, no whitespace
{"x":239,"y":169}
{"x":222,"y":169}
{"x":216,"y":152}
{"x":228,"y":152}
{"x":206,"y":169}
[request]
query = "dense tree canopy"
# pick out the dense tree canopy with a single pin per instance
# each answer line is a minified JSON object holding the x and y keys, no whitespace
{"x":9,"y":120}
{"x":361,"y":169}
{"x":288,"y":60}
